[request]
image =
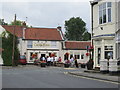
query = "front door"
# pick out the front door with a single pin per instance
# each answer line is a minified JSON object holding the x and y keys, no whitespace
{"x":99,"y":55}
{"x":42,"y":55}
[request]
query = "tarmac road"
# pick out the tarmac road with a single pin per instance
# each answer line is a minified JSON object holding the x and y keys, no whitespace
{"x":50,"y":77}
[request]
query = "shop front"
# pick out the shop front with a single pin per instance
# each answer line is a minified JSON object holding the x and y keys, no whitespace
{"x":38,"y":49}
{"x":104,"y":49}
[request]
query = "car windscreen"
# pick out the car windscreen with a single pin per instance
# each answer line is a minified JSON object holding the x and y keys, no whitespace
{"x":22,"y":57}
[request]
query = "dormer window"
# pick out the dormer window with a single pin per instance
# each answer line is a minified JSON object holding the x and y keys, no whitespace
{"x":105,"y":12}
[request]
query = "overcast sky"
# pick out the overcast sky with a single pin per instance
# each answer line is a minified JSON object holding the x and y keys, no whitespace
{"x":45,"y":14}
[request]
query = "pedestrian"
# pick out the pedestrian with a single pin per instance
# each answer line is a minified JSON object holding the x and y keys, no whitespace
{"x":48,"y":61}
{"x":55,"y":60}
{"x":72,"y":61}
{"x":59,"y":59}
{"x":76,"y":63}
{"x":51,"y":60}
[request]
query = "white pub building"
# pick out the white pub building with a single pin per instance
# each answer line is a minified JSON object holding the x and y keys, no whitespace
{"x":43,"y":42}
{"x":104,"y":15}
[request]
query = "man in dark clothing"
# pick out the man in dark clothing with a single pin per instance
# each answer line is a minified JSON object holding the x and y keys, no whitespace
{"x":76,"y":63}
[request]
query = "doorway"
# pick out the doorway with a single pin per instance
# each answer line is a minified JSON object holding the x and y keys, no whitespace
{"x":99,"y":55}
{"x":42,"y":55}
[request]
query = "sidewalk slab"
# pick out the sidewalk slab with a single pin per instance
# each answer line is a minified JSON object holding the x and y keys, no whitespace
{"x":106,"y":77}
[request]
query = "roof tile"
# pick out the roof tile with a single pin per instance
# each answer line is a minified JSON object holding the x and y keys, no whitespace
{"x":77,"y":44}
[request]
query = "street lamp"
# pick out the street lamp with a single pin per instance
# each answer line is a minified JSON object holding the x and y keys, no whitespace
{"x":13,"y":42}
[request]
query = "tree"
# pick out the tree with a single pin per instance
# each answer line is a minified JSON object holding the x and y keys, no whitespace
{"x":86,"y":36}
{"x":2,"y":22}
{"x":7,"y":43}
{"x":75,"y":29}
{"x":18,"y":22}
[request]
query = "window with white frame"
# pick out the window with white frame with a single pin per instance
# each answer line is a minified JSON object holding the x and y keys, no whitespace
{"x":105,"y":12}
{"x":77,"y":55}
{"x":29,"y":44}
{"x":82,"y":56}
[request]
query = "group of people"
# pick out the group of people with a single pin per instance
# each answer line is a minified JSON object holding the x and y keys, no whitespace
{"x":50,"y":61}
{"x":72,"y":62}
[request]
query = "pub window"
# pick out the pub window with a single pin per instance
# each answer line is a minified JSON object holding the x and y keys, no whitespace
{"x":108,"y":52}
{"x":31,"y":55}
{"x":71,"y":56}
{"x":105,"y":12}
{"x":77,"y":56}
{"x":82,"y":56}
{"x":29,"y":44}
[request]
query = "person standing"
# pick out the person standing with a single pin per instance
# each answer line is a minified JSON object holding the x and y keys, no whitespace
{"x":72,"y":61}
{"x":48,"y":61}
{"x":76,"y":63}
{"x":51,"y":59}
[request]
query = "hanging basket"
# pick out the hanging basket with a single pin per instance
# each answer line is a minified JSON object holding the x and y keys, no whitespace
{"x":87,"y":54}
{"x":67,"y":53}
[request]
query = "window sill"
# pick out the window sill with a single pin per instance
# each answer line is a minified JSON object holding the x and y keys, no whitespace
{"x":108,"y":23}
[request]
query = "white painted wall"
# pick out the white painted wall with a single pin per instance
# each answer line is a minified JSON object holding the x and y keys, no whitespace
{"x":108,"y":28}
{"x":76,"y":52}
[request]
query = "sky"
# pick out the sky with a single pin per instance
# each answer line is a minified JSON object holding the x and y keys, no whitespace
{"x":45,"y":13}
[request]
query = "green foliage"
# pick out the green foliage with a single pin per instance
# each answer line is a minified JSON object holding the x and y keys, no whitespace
{"x":75,"y":27}
{"x":7,"y":45}
{"x":2,"y":22}
{"x":86,"y":36}
{"x":18,"y":22}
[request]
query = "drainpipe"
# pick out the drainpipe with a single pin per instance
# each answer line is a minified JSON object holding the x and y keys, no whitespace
{"x":92,"y":3}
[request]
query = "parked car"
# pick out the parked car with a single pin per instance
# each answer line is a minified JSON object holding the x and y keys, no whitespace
{"x":22,"y":60}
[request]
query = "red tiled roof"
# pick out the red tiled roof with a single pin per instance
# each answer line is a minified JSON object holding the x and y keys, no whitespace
{"x":77,"y":44}
{"x":35,"y":33}
{"x":42,"y":34}
{"x":18,"y":30}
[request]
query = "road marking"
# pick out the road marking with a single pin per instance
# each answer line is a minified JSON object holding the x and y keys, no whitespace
{"x":92,"y":78}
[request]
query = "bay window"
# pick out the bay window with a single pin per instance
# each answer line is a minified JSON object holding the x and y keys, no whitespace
{"x":105,"y":12}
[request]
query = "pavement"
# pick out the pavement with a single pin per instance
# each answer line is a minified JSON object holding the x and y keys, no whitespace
{"x":96,"y":75}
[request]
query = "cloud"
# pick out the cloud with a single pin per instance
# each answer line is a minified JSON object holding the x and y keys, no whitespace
{"x":46,"y":14}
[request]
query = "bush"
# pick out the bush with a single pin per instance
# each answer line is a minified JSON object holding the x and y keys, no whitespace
{"x":7,"y":45}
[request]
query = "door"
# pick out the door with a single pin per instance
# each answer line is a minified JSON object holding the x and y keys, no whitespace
{"x":42,"y":55}
{"x":99,"y":55}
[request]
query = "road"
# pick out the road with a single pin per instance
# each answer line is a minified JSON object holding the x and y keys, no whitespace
{"x":50,"y":77}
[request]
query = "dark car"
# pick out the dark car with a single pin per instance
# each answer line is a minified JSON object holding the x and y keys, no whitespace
{"x":22,"y":59}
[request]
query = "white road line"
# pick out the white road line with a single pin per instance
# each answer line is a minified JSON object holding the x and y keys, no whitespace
{"x":92,"y":78}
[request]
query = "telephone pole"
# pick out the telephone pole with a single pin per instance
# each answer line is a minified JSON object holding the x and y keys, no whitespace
{"x":13,"y":51}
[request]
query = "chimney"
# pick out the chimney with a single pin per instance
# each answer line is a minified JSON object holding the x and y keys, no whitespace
{"x":24,"y":33}
{"x":24,"y":23}
{"x":59,"y":28}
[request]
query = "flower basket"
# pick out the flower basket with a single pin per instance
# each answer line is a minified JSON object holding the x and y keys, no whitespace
{"x":66,"y":65}
{"x":43,"y":64}
{"x":87,"y":54}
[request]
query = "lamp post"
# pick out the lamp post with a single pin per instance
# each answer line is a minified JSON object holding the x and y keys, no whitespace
{"x":13,"y":51}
